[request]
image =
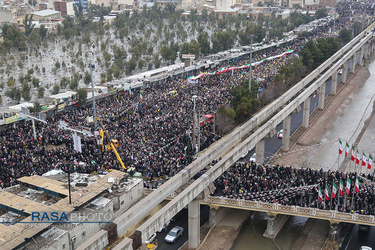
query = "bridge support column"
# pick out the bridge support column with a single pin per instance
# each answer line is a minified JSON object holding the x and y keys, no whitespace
{"x":306,"y":113}
{"x":334,"y":83}
{"x":344,"y":72}
{"x":216,"y":214}
{"x":322,"y":93}
{"x":361,"y":54}
{"x":333,"y":230}
{"x":353,"y":63}
{"x":274,"y":225}
{"x":194,"y":224}
{"x":259,"y":151}
{"x":286,"y":133}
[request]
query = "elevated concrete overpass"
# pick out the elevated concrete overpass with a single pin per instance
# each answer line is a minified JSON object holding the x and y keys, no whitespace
{"x":362,"y":45}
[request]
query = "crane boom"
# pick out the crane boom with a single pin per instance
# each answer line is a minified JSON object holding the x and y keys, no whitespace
{"x":111,"y":142}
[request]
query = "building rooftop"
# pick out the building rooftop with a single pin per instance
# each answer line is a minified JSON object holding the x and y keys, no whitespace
{"x":46,"y":13}
{"x":37,"y":193}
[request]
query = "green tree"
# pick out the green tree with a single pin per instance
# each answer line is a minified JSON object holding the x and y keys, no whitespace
{"x":204,"y":44}
{"x":194,"y":48}
{"x":35,"y":82}
{"x":37,"y":107}
{"x":14,"y":94}
{"x":42,"y":31}
{"x":40,"y":92}
{"x":320,"y":13}
{"x":56,"y":89}
{"x":11,"y":81}
{"x":87,"y":78}
{"x":82,"y":96}
{"x":64,"y":82}
{"x":26,"y":92}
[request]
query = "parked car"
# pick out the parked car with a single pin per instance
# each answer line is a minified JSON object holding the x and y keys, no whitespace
{"x":151,"y":239}
{"x":253,"y":158}
{"x":164,"y":226}
{"x":365,"y":248}
{"x":174,"y":234}
{"x":280,"y":134}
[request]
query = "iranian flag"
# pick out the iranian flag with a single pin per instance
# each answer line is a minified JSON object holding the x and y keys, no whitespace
{"x":327,"y":194}
{"x":141,"y":96}
{"x":348,"y":185}
{"x":340,"y":147}
{"x":356,"y":188}
{"x":369,"y":162}
{"x":358,"y":158}
{"x":341,"y":193}
{"x":346,"y":149}
{"x":320,"y":195}
{"x":334,"y":190}
{"x":353,"y":157}
{"x":364,"y":160}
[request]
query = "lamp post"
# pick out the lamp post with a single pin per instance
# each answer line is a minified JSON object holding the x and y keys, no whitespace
{"x":93,"y":94}
{"x":251,"y":59}
{"x":194,"y":122}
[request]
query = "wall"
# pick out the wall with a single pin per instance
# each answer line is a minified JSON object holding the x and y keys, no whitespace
{"x":6,"y":16}
{"x":96,"y":242}
{"x":127,"y":199}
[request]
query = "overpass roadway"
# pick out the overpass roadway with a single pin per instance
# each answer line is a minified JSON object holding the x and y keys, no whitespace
{"x":140,"y":209}
{"x":273,"y":208}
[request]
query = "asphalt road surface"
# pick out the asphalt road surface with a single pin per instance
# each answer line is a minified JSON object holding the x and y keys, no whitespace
{"x":273,"y":144}
{"x":361,"y":238}
{"x":181,"y":219}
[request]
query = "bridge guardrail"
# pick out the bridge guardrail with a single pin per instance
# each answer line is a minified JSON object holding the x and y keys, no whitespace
{"x":291,"y":210}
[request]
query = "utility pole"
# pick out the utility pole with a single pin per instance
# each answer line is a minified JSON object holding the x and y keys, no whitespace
{"x":93,"y":94}
{"x":251,"y":59}
{"x":64,"y":125}
{"x":199,"y":135}
{"x":334,"y":22}
{"x":33,"y":122}
{"x":194,"y":122}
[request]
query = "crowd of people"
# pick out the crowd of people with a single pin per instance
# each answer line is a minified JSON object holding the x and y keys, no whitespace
{"x":153,"y":128}
{"x":298,"y":187}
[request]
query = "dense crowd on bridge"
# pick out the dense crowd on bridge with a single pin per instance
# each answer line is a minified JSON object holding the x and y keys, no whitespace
{"x":152,"y":131}
{"x":298,"y":187}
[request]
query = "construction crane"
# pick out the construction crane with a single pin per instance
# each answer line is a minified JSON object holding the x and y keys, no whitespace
{"x":113,"y":143}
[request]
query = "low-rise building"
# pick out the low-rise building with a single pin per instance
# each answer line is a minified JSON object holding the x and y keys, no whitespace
{"x":83,"y":216}
{"x":66,"y":8}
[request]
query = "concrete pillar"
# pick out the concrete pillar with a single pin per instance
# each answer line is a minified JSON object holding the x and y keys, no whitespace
{"x":333,"y":231}
{"x":216,"y":214}
{"x":361,"y":54}
{"x":259,"y":151}
{"x":286,"y":133}
{"x":322,"y":93}
{"x":353,"y":63}
{"x":194,"y":224}
{"x":274,"y":225}
{"x":306,"y":113}
{"x":344,"y":72}
{"x":366,"y":52}
{"x":334,"y":83}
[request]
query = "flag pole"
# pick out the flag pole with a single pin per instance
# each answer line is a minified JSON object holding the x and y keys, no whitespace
{"x":338,"y":197}
{"x":330,"y":205}
{"x":363,"y":153}
{"x":353,"y":193}
{"x":338,"y":157}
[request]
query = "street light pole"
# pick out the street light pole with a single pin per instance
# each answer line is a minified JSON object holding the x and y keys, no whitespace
{"x":194,"y":122}
{"x":251,"y":59}
{"x":92,"y":91}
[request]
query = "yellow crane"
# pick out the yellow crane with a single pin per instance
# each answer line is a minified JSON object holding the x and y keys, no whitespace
{"x":113,"y":143}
